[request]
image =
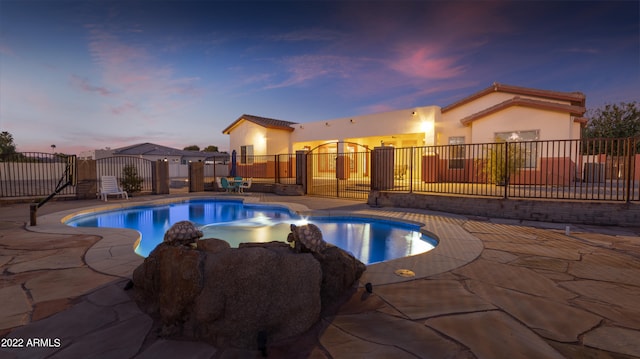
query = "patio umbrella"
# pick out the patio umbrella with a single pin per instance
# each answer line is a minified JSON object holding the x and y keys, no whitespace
{"x":234,"y":163}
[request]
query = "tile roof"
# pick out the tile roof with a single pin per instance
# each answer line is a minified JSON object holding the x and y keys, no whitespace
{"x":525,"y":102}
{"x":575,"y":98}
{"x":262,"y":121}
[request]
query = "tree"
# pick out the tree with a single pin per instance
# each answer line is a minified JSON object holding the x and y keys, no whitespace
{"x":210,"y":148}
{"x":7,"y":146}
{"x":192,"y":148}
{"x":613,"y":121}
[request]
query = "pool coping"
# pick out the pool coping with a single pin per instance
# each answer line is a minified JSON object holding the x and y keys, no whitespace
{"x":113,"y":254}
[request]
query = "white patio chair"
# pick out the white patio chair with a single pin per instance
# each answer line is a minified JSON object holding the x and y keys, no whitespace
{"x":219,"y":184}
{"x":109,"y":186}
{"x":246,"y":184}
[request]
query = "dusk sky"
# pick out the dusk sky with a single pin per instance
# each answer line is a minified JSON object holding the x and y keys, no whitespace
{"x":93,"y":74}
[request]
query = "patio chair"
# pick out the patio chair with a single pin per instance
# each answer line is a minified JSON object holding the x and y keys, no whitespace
{"x":237,"y":181}
{"x":219,"y":184}
{"x":225,"y":184}
{"x":245,"y":185}
{"x":109,"y":186}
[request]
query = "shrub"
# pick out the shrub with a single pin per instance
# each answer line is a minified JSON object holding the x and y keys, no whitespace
{"x":503,"y":160}
{"x":130,"y":181}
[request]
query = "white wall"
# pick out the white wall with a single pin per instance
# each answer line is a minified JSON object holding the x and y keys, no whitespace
{"x":488,"y":101}
{"x":373,"y":125}
{"x":551,"y":125}
{"x":248,"y":133}
{"x":278,"y":142}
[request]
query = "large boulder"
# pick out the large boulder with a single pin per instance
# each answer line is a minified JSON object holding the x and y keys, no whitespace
{"x":340,"y":270}
{"x":232,"y":297}
{"x":253,"y":289}
{"x":227,"y":296}
{"x":168,"y":282}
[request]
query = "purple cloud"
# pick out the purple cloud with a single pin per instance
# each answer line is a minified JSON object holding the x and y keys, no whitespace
{"x":427,"y":63}
{"x":83,"y":84}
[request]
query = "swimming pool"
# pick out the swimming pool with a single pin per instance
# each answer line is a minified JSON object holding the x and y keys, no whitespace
{"x":370,"y":240}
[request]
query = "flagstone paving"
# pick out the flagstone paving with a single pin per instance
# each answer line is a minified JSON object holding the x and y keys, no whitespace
{"x":491,"y":289}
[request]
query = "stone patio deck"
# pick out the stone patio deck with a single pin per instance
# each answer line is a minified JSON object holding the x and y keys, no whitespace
{"x":491,"y":289}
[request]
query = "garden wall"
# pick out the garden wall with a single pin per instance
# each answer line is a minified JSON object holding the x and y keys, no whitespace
{"x":565,"y":211}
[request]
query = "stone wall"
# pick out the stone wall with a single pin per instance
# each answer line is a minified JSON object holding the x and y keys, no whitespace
{"x":557,"y":211}
{"x":288,"y":189}
{"x":87,"y":186}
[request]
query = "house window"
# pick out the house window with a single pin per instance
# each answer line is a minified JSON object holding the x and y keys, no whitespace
{"x":246,"y":154}
{"x":456,"y":152}
{"x":522,"y":146}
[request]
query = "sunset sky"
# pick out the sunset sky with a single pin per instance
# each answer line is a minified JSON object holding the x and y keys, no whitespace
{"x":94,"y":74}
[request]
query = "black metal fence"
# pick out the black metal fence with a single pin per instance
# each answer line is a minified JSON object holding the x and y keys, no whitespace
{"x":124,"y":166}
{"x":33,"y":174}
{"x":594,"y":169}
{"x":266,"y":169}
{"x":341,"y":175}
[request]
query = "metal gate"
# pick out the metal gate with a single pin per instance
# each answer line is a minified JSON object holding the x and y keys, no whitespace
{"x":122,"y":166}
{"x":339,"y":169}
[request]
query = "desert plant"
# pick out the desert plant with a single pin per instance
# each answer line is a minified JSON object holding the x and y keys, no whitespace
{"x":503,"y":159}
{"x":130,"y":181}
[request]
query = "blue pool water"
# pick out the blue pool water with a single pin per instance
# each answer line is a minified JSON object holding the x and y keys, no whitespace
{"x":370,"y":240}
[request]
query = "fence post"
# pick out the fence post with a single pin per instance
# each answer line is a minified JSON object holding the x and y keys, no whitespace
{"x":33,"y":214}
{"x":196,"y":177}
{"x":301,"y":169}
{"x":506,"y":170}
{"x":411,"y":169}
{"x":277,"y":162}
{"x":382,"y":164}
{"x":630,"y":172}
{"x":87,"y":179}
{"x":160,"y":172}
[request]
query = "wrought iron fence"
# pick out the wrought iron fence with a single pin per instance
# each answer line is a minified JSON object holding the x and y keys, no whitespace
{"x":33,"y":174}
{"x":593,"y":169}
{"x":122,"y":166}
{"x":342,"y":175}
{"x":267,"y":168}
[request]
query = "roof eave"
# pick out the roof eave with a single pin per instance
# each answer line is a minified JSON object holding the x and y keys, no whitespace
{"x":518,"y":101}
{"x":575,"y":98}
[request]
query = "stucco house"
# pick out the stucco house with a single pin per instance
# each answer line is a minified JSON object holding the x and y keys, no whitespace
{"x":445,"y":136}
{"x":498,"y":112}
{"x":155,"y":152}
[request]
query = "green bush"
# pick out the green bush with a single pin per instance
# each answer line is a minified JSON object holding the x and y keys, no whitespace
{"x":496,"y":169}
{"x":130,"y":181}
